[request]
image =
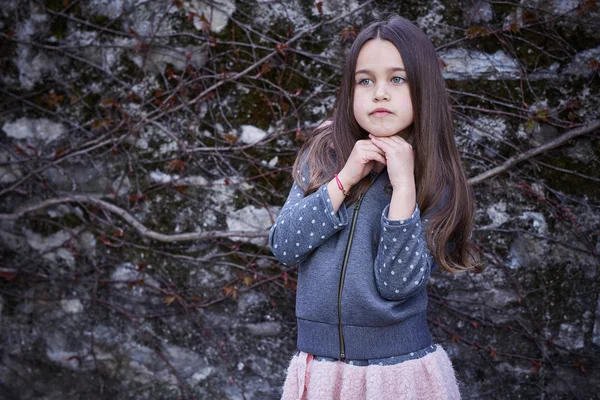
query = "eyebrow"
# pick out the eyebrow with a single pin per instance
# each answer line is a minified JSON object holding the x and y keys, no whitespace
{"x":366,"y":71}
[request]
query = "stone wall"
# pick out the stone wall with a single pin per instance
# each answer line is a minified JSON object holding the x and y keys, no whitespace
{"x":146,"y":149}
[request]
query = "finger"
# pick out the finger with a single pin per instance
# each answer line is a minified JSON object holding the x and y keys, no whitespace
{"x":394,"y":141}
{"x":382,"y":144}
{"x":370,"y":146}
{"x":400,"y":140}
{"x":372,"y":155}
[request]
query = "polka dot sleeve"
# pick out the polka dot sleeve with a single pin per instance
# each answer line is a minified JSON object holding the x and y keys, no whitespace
{"x":403,"y":263}
{"x":304,"y":223}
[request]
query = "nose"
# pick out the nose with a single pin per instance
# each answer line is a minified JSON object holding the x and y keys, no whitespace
{"x":381,"y":93}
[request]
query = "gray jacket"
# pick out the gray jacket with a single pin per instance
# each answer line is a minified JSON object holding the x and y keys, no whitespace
{"x":361,"y":277}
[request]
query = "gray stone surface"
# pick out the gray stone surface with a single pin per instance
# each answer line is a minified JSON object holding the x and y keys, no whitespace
{"x":135,"y":102}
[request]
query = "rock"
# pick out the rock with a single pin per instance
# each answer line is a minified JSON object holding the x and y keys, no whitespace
{"x":580,"y":66}
{"x":596,"y":331}
{"x":13,"y":242}
{"x":63,"y":349}
{"x":50,"y":246}
{"x":161,"y":177}
{"x":564,"y":6}
{"x":264,"y":328}
{"x":251,"y":134}
{"x":582,"y":151}
{"x":31,"y":62}
{"x":543,"y":133}
{"x":249,"y":300}
{"x":72,"y":306}
{"x":34,"y":130}
{"x":538,"y":221}
{"x":497,"y":213}
{"x":218,"y":16}
{"x":486,"y":127}
{"x":66,"y":359}
{"x":127,"y":273}
{"x":570,"y":337}
{"x":179,"y":58}
{"x":481,"y":11}
{"x":109,"y":8}
{"x":250,"y":219}
{"x":188,"y":364}
{"x":432,"y":23}
{"x":10,"y":171}
{"x":462,"y":64}
{"x":527,"y":251}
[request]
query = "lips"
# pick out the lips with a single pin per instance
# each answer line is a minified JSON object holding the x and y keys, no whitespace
{"x":381,"y":111}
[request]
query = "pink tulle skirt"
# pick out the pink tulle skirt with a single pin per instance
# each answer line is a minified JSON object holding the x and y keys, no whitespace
{"x":429,"y":377}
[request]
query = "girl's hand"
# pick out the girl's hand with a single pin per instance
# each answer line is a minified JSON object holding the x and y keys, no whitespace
{"x":399,"y":155}
{"x":362,"y":159}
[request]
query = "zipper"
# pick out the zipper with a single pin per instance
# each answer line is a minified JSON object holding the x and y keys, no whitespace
{"x":344,"y":265}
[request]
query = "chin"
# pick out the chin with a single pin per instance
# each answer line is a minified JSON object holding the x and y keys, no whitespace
{"x":382,"y":133}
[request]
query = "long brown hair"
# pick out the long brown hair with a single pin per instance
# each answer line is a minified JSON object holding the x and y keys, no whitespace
{"x":442,"y":189}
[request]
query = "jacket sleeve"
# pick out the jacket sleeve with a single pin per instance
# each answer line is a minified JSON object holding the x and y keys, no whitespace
{"x":403,"y":262}
{"x":304,"y":223}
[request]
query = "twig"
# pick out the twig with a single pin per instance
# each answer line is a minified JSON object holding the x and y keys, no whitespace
{"x":565,"y":137}
{"x":142,"y":230}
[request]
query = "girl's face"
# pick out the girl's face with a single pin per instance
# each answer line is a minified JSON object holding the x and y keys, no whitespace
{"x":382,"y":104}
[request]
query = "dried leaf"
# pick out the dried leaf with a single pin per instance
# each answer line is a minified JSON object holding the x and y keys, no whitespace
{"x":281,"y":47}
{"x":52,"y":99}
{"x":231,"y":139}
{"x":529,"y":125}
{"x":21,"y":151}
{"x":109,"y":101}
{"x":320,"y":7}
{"x":475,"y":31}
{"x":579,"y":365}
{"x":264,"y":69}
{"x":59,"y":152}
{"x":529,"y":16}
{"x":542,"y":114}
{"x":176,"y":164}
{"x":349,"y":33}
{"x":101,"y":123}
{"x":248,"y":280}
{"x":536,"y":367}
{"x":105,"y":241}
{"x":230,"y":291}
{"x":168,"y":300}
{"x":135,"y":197}
{"x":8,"y":276}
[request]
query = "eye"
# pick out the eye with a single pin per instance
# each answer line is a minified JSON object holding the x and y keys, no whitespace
{"x":398,"y":79}
{"x":365,"y":81}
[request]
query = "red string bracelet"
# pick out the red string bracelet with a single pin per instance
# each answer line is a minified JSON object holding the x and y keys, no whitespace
{"x":340,"y":186}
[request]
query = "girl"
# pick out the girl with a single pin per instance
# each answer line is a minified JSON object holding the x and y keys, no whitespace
{"x":352,"y":221}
